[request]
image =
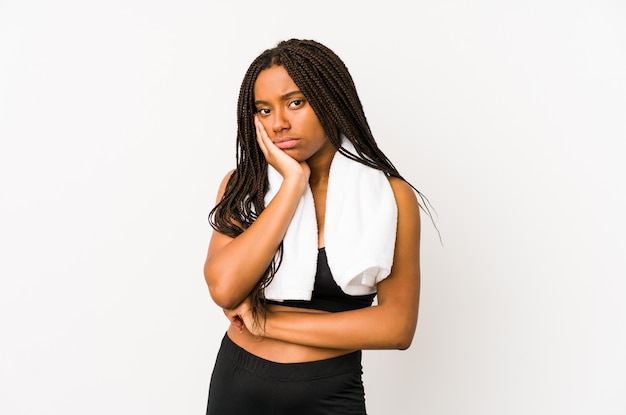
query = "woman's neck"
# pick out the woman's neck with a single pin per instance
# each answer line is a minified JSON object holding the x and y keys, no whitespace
{"x":320,"y":168}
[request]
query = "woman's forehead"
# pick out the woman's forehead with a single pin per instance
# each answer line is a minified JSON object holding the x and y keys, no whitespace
{"x":273,"y":82}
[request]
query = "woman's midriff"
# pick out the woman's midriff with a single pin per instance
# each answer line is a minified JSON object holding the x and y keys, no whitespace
{"x":279,"y":351}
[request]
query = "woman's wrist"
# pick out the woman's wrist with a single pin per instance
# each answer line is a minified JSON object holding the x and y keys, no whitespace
{"x":267,"y":328}
{"x":296,"y":183}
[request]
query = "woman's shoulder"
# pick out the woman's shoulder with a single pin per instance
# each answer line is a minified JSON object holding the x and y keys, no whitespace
{"x":222,"y":187}
{"x":403,"y":190}
{"x":406,"y":197}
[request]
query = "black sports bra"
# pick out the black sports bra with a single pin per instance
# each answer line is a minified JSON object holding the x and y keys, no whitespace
{"x":327,"y":295}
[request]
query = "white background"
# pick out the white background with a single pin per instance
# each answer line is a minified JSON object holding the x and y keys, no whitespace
{"x":117,"y":121}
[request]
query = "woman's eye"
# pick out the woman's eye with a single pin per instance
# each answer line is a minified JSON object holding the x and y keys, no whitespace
{"x":297,"y":103}
{"x":263,"y":111}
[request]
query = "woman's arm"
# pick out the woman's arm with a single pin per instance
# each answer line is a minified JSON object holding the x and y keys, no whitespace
{"x":234,"y":265}
{"x":389,"y":325}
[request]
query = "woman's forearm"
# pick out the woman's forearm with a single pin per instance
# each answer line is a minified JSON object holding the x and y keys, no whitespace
{"x":376,"y":327}
{"x":234,"y":265}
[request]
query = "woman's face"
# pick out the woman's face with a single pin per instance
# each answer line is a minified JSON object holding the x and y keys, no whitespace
{"x":288,"y":117}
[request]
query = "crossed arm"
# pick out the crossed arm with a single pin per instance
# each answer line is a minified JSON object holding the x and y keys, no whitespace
{"x":389,"y":325}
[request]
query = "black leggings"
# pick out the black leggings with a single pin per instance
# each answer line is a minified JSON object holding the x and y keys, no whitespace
{"x":244,"y":384}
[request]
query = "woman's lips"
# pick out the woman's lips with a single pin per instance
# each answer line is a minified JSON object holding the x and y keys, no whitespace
{"x":285,"y":144}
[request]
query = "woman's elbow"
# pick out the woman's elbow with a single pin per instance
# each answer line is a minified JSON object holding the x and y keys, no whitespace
{"x":401,"y":342}
{"x":222,"y":294}
{"x":404,"y":343}
{"x":403,"y":337}
{"x":221,"y":299}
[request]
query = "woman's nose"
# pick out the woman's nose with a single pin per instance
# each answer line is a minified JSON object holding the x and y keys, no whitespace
{"x":280,"y":121}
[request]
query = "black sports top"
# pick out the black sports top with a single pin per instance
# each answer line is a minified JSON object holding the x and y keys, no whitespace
{"x":327,"y":295}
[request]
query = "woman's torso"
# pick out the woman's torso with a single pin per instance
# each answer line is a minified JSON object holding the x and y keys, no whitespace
{"x":327,"y":297}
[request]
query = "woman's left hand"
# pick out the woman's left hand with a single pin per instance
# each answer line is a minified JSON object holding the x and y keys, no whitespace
{"x":242,"y":317}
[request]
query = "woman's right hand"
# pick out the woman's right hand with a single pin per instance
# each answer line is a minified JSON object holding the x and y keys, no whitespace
{"x":287,"y":166}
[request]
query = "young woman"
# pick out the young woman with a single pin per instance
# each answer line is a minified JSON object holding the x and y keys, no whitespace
{"x":311,"y":225}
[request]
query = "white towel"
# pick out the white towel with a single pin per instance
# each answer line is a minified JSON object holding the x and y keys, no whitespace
{"x":359,"y":232}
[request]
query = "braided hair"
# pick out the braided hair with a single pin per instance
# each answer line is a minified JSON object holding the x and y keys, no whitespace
{"x":327,"y":85}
